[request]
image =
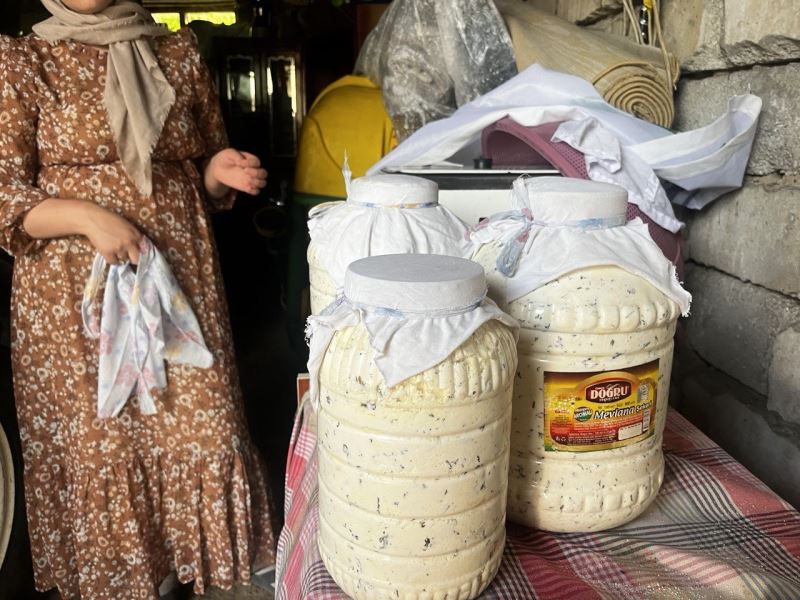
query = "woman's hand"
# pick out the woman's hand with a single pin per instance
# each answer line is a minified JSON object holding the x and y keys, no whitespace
{"x":230,"y":168}
{"x":112,"y":236}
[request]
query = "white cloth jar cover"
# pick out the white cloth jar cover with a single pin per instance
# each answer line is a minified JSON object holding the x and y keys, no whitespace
{"x":417,"y":308}
{"x":146,"y":321}
{"x":563,"y":225}
{"x":384,"y":214}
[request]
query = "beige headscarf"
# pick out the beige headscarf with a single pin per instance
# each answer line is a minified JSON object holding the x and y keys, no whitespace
{"x":137,"y":95}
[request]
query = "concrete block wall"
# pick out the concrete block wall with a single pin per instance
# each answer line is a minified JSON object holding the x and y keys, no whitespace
{"x":708,"y":35}
{"x":744,"y":249}
{"x":737,"y":373}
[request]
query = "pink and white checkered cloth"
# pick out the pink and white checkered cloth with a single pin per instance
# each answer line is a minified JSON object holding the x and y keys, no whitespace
{"x":714,"y":531}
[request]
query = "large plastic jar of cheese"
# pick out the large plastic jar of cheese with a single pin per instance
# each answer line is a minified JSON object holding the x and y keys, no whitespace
{"x":413,"y":477}
{"x":590,"y":396}
{"x":383,"y":214}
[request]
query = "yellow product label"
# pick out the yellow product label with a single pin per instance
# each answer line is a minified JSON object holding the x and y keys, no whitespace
{"x":587,"y":412}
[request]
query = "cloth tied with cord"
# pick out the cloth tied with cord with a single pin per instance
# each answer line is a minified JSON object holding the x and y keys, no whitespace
{"x":145,"y":322}
{"x":537,"y":244}
{"x":409,"y":332}
{"x":384,"y":214}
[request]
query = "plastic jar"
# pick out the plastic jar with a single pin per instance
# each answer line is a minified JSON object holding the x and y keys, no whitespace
{"x":413,"y":477}
{"x":591,"y":392}
{"x":383,"y":214}
{"x":322,"y":288}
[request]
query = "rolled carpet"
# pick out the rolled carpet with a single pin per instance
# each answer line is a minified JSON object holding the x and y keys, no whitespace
{"x":635,"y":78}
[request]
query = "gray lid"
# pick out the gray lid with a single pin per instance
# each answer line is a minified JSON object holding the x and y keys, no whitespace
{"x":415,"y":282}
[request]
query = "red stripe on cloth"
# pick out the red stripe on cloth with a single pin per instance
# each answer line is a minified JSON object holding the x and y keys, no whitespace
{"x":306,"y":444}
{"x":562,"y":586}
{"x":304,"y":554}
{"x":295,"y":460}
{"x":605,"y":570}
{"x":554,"y":581}
{"x":694,"y":566}
{"x":297,"y":463}
{"x":749,"y":497}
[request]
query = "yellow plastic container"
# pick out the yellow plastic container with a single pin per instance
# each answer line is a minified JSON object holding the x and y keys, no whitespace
{"x":348,"y":116}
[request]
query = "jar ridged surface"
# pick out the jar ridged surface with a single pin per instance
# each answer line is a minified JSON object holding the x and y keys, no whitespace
{"x":600,"y":319}
{"x":413,"y":478}
{"x":322,"y":286}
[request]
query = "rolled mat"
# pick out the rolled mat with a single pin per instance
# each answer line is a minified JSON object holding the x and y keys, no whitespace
{"x":635,"y":78}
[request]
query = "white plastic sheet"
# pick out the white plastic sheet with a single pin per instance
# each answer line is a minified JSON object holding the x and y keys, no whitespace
{"x":705,"y":161}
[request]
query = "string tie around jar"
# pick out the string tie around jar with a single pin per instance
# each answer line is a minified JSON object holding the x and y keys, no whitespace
{"x":519,"y":222}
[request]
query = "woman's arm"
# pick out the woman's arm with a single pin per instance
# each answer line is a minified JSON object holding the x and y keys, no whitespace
{"x":112,"y":236}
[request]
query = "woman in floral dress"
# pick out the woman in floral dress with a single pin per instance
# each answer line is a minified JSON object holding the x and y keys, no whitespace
{"x":115,"y":505}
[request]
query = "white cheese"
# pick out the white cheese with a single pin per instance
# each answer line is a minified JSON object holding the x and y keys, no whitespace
{"x":596,"y":320}
{"x":413,"y":478}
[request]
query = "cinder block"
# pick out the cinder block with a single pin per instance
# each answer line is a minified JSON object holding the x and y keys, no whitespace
{"x":753,"y":233}
{"x":693,"y":31}
{"x":784,"y":375}
{"x":735,"y":417}
{"x":715,"y":35}
{"x":733,"y":324}
{"x":748,"y":19}
{"x":777,"y":144}
{"x":756,"y":32}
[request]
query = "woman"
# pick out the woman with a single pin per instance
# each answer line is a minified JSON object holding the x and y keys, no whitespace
{"x":109,"y":130}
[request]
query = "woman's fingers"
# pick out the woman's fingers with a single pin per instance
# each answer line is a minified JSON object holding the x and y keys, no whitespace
{"x":252,"y":180}
{"x":254,"y":172}
{"x":260,"y":182}
{"x":257,"y":179}
{"x":247,"y":160}
{"x":133,"y":253}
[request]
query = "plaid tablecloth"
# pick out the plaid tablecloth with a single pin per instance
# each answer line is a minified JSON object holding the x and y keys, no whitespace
{"x":714,"y":531}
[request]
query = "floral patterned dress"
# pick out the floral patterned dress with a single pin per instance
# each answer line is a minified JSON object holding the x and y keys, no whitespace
{"x":115,"y":504}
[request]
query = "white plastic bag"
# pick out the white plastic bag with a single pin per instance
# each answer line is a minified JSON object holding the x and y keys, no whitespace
{"x":703,"y":163}
{"x":709,"y":161}
{"x":432,"y":56}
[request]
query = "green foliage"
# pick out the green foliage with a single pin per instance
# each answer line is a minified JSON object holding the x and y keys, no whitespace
{"x":171,"y":19}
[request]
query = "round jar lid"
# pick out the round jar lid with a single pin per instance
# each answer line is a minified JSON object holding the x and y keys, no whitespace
{"x":402,"y":191}
{"x":562,"y":199}
{"x":415,"y":282}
